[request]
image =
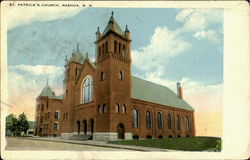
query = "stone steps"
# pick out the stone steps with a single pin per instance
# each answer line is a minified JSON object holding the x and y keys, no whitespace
{"x":81,"y":137}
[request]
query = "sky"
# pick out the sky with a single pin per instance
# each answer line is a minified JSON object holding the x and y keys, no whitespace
{"x":168,"y":46}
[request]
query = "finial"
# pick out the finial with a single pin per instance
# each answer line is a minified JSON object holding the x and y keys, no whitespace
{"x":66,"y":58}
{"x":112,"y":13}
{"x":77,"y":46}
{"x":47,"y":81}
{"x":98,"y":30}
{"x":87,"y":55}
{"x":126,"y":29}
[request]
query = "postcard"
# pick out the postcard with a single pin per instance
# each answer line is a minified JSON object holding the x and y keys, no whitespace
{"x":124,"y":80}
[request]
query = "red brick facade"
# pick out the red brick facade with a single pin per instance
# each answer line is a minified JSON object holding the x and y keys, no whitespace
{"x":92,"y":108}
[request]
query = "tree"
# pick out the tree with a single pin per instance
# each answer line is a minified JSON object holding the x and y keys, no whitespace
{"x":11,"y":124}
{"x":15,"y":126}
{"x":22,"y":124}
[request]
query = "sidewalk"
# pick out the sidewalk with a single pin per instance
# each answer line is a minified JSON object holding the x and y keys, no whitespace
{"x":100,"y":144}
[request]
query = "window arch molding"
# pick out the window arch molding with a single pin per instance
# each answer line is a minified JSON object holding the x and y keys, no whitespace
{"x":178,"y":122}
{"x":148,"y":119}
{"x":124,"y":108}
{"x":160,"y":120}
{"x":87,"y":89}
{"x":136,"y":116}
{"x":170,"y":121}
{"x":117,"y":108}
{"x":188,"y":123}
{"x":115,"y":46}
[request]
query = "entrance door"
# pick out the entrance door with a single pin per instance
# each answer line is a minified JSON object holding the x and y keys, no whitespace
{"x":120,"y":131}
{"x":78,"y":127}
{"x":92,"y":126}
{"x":84,"y":126}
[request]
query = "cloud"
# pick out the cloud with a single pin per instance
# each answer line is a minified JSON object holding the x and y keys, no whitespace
{"x":17,"y":16}
{"x":26,"y":82}
{"x":198,"y":19}
{"x":183,"y":15}
{"x":209,"y":34}
{"x":37,"y":70}
{"x":163,"y":45}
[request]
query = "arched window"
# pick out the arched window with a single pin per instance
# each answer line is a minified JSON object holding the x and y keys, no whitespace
{"x":99,"y":51}
{"x":188,"y":123}
{"x":169,"y":121}
{"x":124,"y":109}
{"x":103,"y":76}
{"x":120,"y":47}
{"x":99,"y":108}
{"x":160,"y":120}
{"x":105,"y":108}
{"x":103,"y":49}
{"x":121,"y":75}
{"x":178,"y":122}
{"x":124,"y":50}
{"x":148,"y":119}
{"x":106,"y":47}
{"x":135,"y":118}
{"x":117,"y":108}
{"x":87,"y":90}
{"x":84,"y":126}
{"x":115,"y":46}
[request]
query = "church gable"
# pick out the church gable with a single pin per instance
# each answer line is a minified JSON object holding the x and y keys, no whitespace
{"x":87,"y":71}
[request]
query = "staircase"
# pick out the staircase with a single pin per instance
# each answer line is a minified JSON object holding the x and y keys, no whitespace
{"x":81,"y":137}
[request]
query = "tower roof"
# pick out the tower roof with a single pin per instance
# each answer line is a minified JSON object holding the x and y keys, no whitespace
{"x":47,"y":92}
{"x":112,"y":25}
{"x":77,"y":56}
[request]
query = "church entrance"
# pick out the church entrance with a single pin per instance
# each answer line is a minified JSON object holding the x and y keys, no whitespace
{"x":92,"y":126}
{"x":84,"y":126}
{"x":120,"y":131}
{"x":78,"y":127}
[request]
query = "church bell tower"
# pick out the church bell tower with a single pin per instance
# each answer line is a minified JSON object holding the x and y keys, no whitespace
{"x":113,"y":80}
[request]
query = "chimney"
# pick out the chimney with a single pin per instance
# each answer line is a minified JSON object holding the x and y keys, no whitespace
{"x":179,"y":90}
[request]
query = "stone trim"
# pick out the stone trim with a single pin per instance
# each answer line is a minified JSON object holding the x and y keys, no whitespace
{"x":109,"y":136}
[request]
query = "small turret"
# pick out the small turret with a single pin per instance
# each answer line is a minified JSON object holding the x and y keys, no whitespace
{"x":127,"y":33}
{"x":98,"y":33}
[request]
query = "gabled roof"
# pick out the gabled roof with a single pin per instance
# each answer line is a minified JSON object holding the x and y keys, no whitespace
{"x":151,"y":92}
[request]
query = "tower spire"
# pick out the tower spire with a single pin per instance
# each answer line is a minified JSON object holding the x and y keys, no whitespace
{"x":112,"y":17}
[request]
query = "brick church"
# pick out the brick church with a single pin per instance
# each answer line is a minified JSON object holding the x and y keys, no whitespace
{"x":101,"y":100}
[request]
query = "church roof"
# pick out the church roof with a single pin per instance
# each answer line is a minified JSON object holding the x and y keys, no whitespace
{"x":116,"y":27}
{"x":151,"y":92}
{"x":47,"y":92}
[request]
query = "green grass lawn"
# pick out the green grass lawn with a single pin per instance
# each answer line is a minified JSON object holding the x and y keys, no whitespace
{"x":184,"y":143}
